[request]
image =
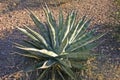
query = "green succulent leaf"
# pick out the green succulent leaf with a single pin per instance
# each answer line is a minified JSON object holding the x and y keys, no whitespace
{"x":40,"y":25}
{"x":76,"y":56}
{"x":42,"y":51}
{"x":28,"y":54}
{"x":38,"y":36}
{"x":43,"y":74}
{"x":52,"y":27}
{"x":78,"y":65}
{"x":75,"y":29}
{"x":85,"y":36}
{"x":46,"y":64}
{"x":83,"y":28}
{"x":33,"y":44}
{"x":63,"y":46}
{"x":41,"y":65}
{"x":34,"y":35}
{"x":66,"y":68}
{"x":69,"y":24}
{"x":27,"y":33}
{"x":83,"y":56}
{"x":61,"y":75}
{"x":60,"y":46}
{"x":87,"y":47}
{"x":35,"y":67}
{"x":60,"y":27}
{"x":79,"y":44}
{"x":69,"y":72}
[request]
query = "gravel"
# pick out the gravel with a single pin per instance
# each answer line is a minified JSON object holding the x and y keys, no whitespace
{"x":16,"y":15}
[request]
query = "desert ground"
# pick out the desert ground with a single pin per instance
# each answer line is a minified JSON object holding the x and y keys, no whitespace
{"x":13,"y":14}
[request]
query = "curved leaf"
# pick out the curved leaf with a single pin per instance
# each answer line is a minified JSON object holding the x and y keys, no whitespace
{"x":69,"y":24}
{"x":69,"y":72}
{"x":46,"y":64}
{"x":83,"y":28}
{"x":27,"y":33}
{"x":84,"y":42}
{"x":42,"y":51}
{"x":33,"y":44}
{"x":52,"y":27}
{"x":43,"y":74}
{"x":40,"y":25}
{"x":76,"y":28}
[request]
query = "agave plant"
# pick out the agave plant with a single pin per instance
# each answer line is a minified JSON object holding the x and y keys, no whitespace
{"x":59,"y":46}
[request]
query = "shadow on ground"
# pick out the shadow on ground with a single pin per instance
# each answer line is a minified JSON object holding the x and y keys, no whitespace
{"x":11,"y":63}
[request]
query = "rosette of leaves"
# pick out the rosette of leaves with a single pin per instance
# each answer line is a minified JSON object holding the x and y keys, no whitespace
{"x":59,"y":46}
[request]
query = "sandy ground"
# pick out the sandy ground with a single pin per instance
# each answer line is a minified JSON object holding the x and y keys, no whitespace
{"x":14,"y":14}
